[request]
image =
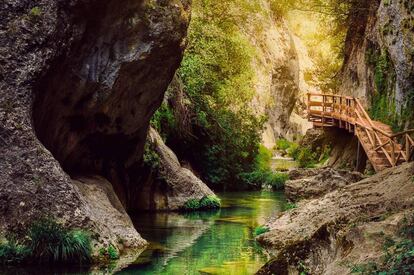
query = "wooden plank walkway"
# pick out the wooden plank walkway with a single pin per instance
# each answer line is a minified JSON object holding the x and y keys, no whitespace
{"x":384,"y":149}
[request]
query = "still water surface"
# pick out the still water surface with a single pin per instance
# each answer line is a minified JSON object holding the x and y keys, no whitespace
{"x":220,"y":242}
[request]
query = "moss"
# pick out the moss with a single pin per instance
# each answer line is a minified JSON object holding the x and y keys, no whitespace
{"x":35,"y":12}
{"x":260,"y":230}
{"x":290,"y":206}
{"x":112,"y":252}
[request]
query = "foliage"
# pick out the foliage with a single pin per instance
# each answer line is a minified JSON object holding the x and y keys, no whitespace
{"x":290,"y":206}
{"x":210,"y":202}
{"x":217,"y":79}
{"x":11,"y":252}
{"x":306,"y":158}
{"x":163,"y":119}
{"x":283,"y":144}
{"x":47,"y":241}
{"x":51,"y":242}
{"x":35,"y":12}
{"x":260,"y":230}
{"x":151,"y":157}
{"x":112,"y":253}
{"x":192,"y":204}
{"x":205,"y":203}
{"x":263,"y":158}
{"x":399,"y":255}
{"x":265,"y":177}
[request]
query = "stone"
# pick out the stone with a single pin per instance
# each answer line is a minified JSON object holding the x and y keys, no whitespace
{"x":324,"y":233}
{"x":79,"y":81}
{"x":312,"y":183}
{"x":173,"y":185}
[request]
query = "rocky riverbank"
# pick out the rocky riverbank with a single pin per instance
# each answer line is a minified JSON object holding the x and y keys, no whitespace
{"x":346,"y":227}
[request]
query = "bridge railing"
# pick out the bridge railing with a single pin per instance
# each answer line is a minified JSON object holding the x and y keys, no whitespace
{"x":347,"y":112}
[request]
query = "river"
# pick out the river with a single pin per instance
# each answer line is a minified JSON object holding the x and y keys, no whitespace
{"x":220,"y":242}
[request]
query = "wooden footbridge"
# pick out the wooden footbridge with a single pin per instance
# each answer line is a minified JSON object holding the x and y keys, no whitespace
{"x":383,"y":148}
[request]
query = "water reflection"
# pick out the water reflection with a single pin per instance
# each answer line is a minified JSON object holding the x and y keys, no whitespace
{"x":219,"y":242}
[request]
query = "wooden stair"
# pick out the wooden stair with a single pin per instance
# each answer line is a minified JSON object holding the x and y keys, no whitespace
{"x":384,"y":149}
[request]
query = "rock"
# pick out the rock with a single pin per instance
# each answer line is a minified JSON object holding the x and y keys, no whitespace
{"x":324,"y":232}
{"x":343,"y":147}
{"x":173,"y":185}
{"x":79,"y":81}
{"x":312,"y":183}
{"x":107,"y":212}
{"x":381,"y":27}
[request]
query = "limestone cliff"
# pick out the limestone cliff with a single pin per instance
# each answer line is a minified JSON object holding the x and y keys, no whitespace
{"x":346,"y":227}
{"x":79,"y":81}
{"x":279,"y":65}
{"x":379,"y":59}
{"x":168,"y":185}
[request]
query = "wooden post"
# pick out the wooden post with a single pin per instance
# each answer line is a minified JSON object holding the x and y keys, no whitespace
{"x":323,"y":110}
{"x":392,"y":153}
{"x":407,"y":148}
{"x":359,"y":144}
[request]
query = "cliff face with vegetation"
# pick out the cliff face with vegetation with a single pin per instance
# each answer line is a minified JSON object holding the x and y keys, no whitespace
{"x":238,"y":85}
{"x":379,"y":54}
{"x":79,"y":83}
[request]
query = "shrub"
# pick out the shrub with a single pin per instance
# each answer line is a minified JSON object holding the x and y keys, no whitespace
{"x":210,"y":202}
{"x":265,"y":177}
{"x":192,"y":204}
{"x":11,"y":252}
{"x":50,"y":242}
{"x":260,"y":230}
{"x":205,"y":203}
{"x":283,"y":144}
{"x":293,"y":151}
{"x":306,"y":158}
{"x":150,"y":157}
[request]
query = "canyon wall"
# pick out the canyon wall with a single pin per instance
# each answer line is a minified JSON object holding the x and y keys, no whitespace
{"x":79,"y":82}
{"x":280,"y":87}
{"x":379,"y":59}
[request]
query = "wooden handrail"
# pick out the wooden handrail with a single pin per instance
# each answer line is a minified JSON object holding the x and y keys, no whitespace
{"x":348,"y":112}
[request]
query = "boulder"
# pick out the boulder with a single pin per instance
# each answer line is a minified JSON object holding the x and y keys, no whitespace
{"x":312,"y":183}
{"x":322,"y":234}
{"x":171,"y":185}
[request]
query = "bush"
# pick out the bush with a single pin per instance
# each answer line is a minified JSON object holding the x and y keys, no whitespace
{"x":192,"y":204}
{"x":265,"y":177}
{"x":50,"y":242}
{"x":260,"y":230}
{"x":210,"y":202}
{"x":306,"y":158}
{"x":205,"y":203}
{"x":12,"y":252}
{"x":283,"y":144}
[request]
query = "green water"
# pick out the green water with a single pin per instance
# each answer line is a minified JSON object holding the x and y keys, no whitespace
{"x":220,"y":242}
